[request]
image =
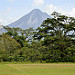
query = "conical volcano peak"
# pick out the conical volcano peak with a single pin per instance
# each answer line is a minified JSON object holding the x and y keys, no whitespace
{"x":32,"y":19}
{"x":36,"y":10}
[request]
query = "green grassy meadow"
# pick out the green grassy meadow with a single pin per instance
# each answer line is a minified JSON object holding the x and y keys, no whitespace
{"x":37,"y":69}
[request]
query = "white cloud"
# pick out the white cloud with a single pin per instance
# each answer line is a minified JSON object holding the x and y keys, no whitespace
{"x":8,"y":10}
{"x":6,"y":21}
{"x":72,"y":12}
{"x":38,"y":2}
{"x":11,"y":0}
{"x":50,"y":8}
{"x":6,"y":16}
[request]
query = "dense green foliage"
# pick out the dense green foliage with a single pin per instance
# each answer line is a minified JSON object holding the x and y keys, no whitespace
{"x":53,"y":41}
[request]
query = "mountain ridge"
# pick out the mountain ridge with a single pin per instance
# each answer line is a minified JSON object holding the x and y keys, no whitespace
{"x":32,"y":19}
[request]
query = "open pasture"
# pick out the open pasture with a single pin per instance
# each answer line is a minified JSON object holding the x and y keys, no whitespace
{"x":37,"y":69}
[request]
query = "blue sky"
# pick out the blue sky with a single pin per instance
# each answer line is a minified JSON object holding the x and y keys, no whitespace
{"x":11,"y":10}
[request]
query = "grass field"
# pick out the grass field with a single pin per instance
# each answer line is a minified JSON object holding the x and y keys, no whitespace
{"x":37,"y":69}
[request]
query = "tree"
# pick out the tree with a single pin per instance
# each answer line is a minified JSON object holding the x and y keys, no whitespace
{"x":21,"y":36}
{"x":8,"y":44}
{"x":58,"y":33}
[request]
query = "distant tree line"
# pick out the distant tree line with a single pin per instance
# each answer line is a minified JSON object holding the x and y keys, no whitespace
{"x":53,"y":41}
